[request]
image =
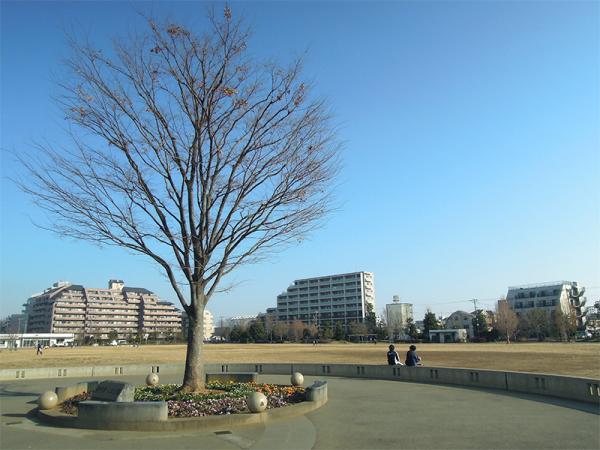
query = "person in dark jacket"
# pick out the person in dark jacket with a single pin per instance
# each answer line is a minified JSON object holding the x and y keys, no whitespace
{"x":412,"y":359}
{"x":393,"y":357}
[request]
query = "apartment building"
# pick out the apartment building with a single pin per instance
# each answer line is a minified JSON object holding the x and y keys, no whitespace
{"x":567,"y":295}
{"x":73,"y":308}
{"x":209,"y":326}
{"x":328,"y":299}
{"x":397,"y":315}
{"x":15,"y":323}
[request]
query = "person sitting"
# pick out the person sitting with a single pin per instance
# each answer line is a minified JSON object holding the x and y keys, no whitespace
{"x":412,"y":359}
{"x":393,"y":357}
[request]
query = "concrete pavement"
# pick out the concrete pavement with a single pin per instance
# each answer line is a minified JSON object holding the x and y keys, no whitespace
{"x":360,"y":414}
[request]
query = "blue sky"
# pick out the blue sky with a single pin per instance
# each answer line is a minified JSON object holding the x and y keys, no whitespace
{"x":471,"y":146}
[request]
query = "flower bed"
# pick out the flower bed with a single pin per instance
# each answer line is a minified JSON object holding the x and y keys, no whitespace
{"x":224,"y":398}
{"x":69,"y":406}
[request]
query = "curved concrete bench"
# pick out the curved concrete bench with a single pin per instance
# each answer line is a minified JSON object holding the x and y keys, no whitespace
{"x":571,"y":388}
{"x":92,"y":412}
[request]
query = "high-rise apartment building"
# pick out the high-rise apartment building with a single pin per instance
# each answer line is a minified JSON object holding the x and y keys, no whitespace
{"x":567,"y":295}
{"x":397,"y":315}
{"x":328,"y":299}
{"x":73,"y":308}
{"x":209,"y":326}
{"x":15,"y":323}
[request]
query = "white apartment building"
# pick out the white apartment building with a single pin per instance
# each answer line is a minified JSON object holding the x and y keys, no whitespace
{"x":328,"y":299}
{"x":240,"y":321}
{"x":564,"y":294}
{"x":209,"y":325}
{"x":73,"y":308}
{"x":397,"y":315}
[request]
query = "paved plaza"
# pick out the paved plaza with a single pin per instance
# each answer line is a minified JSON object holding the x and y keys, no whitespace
{"x":361,"y":414}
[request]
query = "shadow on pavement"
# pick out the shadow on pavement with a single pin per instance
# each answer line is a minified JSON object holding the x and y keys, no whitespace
{"x":571,"y":404}
{"x":6,"y":393}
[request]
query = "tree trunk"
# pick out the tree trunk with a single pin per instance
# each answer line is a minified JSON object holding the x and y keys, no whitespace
{"x":193,"y":378}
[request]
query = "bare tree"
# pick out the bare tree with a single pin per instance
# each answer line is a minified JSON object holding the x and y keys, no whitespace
{"x":507,"y":321}
{"x":565,"y":324}
{"x":537,"y":323}
{"x":189,"y":152}
{"x":295,"y":330}
{"x":280,"y":330}
{"x":269,"y":324}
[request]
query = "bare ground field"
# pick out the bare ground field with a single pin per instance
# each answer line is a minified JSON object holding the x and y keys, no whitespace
{"x":577,"y":359}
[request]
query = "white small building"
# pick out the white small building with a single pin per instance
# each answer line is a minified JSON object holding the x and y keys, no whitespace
{"x":24,"y":340}
{"x":445,"y":336}
{"x":460,"y":319}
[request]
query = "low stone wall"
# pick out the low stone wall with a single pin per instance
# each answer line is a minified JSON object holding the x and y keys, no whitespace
{"x":114,"y":415}
{"x":572,"y":388}
{"x":91,"y":371}
{"x":66,"y":392}
{"x":317,"y":392}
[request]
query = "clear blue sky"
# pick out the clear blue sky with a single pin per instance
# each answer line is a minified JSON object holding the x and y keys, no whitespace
{"x":471,"y":157}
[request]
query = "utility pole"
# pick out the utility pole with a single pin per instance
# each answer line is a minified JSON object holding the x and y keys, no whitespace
{"x":476,"y":331}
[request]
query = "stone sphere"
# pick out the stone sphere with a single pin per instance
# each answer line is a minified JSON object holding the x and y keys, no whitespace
{"x":152,"y":379}
{"x":47,"y":400}
{"x":297,"y":379}
{"x":257,"y":402}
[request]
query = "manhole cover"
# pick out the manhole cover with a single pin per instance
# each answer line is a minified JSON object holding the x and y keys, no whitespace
{"x":222,"y":432}
{"x":14,"y":423}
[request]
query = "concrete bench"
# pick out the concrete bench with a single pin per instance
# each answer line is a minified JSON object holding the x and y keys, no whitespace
{"x":99,"y":414}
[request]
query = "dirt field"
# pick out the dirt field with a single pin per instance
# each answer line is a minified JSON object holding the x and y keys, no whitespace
{"x":579,"y":359}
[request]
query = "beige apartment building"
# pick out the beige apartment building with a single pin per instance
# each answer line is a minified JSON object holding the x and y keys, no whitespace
{"x":329,"y":299}
{"x":73,"y":308}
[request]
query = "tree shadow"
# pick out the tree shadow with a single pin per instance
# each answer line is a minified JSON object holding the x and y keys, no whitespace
{"x":555,"y":401}
{"x":6,"y":393}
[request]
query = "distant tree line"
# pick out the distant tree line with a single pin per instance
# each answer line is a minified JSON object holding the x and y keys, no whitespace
{"x":537,"y":324}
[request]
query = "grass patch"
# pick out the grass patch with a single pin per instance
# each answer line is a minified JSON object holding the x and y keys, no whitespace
{"x":577,"y":359}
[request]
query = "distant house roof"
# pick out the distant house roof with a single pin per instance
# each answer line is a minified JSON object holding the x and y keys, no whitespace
{"x":447,"y":330}
{"x":137,"y":290}
{"x":464,"y":313}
